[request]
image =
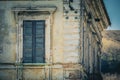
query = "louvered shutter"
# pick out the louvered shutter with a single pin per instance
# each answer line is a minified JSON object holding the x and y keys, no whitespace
{"x":34,"y":41}
{"x":40,"y":42}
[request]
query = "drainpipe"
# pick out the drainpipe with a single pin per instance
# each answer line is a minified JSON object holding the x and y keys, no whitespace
{"x":18,"y":60}
{"x":82,"y":29}
{"x":51,"y":45}
{"x":17,"y":45}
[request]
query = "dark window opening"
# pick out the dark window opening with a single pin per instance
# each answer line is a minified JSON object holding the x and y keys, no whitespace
{"x":33,"y":41}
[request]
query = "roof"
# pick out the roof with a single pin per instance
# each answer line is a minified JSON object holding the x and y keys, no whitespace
{"x":106,"y":13}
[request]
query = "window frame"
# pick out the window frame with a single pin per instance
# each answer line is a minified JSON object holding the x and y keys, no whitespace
{"x":19,"y":45}
{"x":49,"y":29}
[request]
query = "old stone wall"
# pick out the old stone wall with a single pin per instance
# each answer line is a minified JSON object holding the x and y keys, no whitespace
{"x":72,"y":40}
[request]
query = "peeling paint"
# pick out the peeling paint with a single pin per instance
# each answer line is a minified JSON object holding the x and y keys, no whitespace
{"x":71,"y":48}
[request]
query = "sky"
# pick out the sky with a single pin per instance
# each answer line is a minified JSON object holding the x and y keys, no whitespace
{"x":113,"y":9}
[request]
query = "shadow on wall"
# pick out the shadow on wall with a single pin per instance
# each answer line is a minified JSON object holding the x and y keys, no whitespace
{"x":111,"y":67}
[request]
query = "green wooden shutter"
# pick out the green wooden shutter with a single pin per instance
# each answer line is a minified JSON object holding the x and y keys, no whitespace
{"x":34,"y":41}
{"x":40,"y":42}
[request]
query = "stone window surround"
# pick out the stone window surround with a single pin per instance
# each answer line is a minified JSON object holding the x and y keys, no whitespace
{"x":48,"y":27}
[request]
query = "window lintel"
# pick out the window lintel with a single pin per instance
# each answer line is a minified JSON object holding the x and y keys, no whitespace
{"x":50,"y":9}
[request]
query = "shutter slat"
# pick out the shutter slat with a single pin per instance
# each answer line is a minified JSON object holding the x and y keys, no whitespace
{"x":39,"y":45}
{"x":39,"y":32}
{"x":27,"y":55}
{"x":40,"y":59}
{"x":28,"y":31}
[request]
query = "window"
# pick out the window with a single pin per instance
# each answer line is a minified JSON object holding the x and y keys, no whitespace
{"x":33,"y":41}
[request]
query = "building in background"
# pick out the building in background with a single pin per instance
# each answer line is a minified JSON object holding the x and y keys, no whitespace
{"x":51,"y":39}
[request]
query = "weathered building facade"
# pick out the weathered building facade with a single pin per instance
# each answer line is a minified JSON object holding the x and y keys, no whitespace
{"x":51,"y":39}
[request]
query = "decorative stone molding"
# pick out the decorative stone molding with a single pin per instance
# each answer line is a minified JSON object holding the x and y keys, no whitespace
{"x":40,"y":8}
{"x":36,"y":13}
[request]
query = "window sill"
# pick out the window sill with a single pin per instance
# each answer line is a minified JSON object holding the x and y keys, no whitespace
{"x":35,"y":64}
